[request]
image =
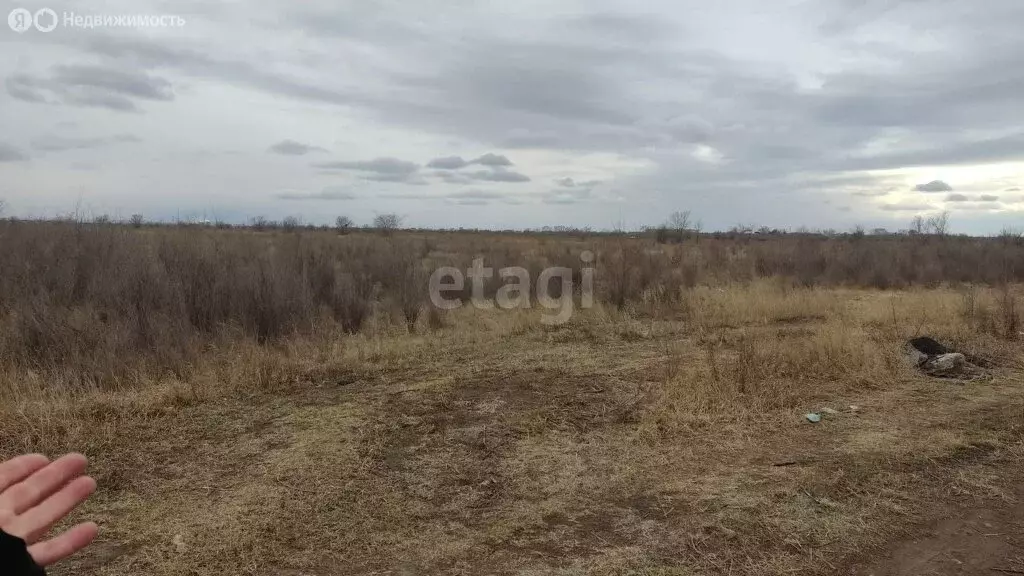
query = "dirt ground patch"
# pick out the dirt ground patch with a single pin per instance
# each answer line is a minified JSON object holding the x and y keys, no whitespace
{"x":969,"y":537}
{"x":614,"y":445}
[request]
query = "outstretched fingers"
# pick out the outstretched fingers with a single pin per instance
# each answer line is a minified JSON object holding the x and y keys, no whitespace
{"x":35,"y":494}
{"x":42,"y":483}
{"x":17,"y":469}
{"x":59,"y":548}
{"x":35,"y":522}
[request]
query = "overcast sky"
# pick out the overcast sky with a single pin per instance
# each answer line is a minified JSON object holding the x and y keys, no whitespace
{"x":824,"y":113}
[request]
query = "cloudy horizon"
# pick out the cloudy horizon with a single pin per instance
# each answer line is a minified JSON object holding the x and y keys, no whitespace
{"x":816,"y":113}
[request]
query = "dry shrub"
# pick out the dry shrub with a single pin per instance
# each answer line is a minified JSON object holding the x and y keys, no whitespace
{"x":108,"y":304}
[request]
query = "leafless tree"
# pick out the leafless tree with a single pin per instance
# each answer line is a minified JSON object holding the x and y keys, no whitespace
{"x":258,"y":222}
{"x":343,"y":224}
{"x":939,"y":225}
{"x":679,"y":221}
{"x":387,"y":223}
{"x":918,"y":225}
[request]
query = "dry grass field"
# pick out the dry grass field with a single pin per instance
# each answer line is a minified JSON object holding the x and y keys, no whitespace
{"x":283,"y":404}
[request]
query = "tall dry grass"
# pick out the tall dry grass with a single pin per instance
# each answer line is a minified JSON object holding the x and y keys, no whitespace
{"x":94,"y":304}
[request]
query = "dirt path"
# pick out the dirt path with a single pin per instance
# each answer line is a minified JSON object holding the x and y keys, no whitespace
{"x":973,"y":538}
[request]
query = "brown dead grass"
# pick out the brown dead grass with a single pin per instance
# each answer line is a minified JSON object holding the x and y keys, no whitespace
{"x":641,"y":442}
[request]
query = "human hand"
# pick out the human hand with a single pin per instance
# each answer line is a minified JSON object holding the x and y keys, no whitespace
{"x":36,"y":493}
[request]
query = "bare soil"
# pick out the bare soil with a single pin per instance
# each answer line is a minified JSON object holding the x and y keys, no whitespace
{"x":967,"y":537}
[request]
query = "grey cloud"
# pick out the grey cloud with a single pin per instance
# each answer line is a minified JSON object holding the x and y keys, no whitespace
{"x":1013,"y":189}
{"x":558,"y":199}
{"x":477,"y":194}
{"x":934,"y":186}
{"x":957,"y":198}
{"x":406,"y":196}
{"x":570,"y":183}
{"x":498,"y":176}
{"x":870,"y":193}
{"x":448,"y":163}
{"x":292,"y":148}
{"x":980,"y":206}
{"x":384,"y":165}
{"x":149,"y":54}
{"x":565,"y":86}
{"x":453,"y":177}
{"x":90,"y":86}
{"x":399,"y":178}
{"x":907,"y":207}
{"x":566,"y":196}
{"x":101,"y":100}
{"x":492,"y":160}
{"x":57,"y":143}
{"x":988,"y":198}
{"x":561,"y":84}
{"x":457,"y":162}
{"x":9,"y":153}
{"x":137,"y":84}
{"x":329,"y":193}
{"x":383,"y":169}
{"x":25,"y":88}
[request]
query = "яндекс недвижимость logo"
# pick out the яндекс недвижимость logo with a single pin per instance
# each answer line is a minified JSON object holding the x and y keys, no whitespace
{"x":21,"y":20}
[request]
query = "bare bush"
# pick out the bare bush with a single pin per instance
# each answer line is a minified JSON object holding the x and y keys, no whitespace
{"x":939,"y":224}
{"x":387,"y":224}
{"x":343,"y":224}
{"x":259,"y":222}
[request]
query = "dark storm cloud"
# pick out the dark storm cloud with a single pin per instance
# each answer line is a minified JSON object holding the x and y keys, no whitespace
{"x":293,"y":148}
{"x":934,"y":186}
{"x":90,"y":86}
{"x":9,"y":153}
